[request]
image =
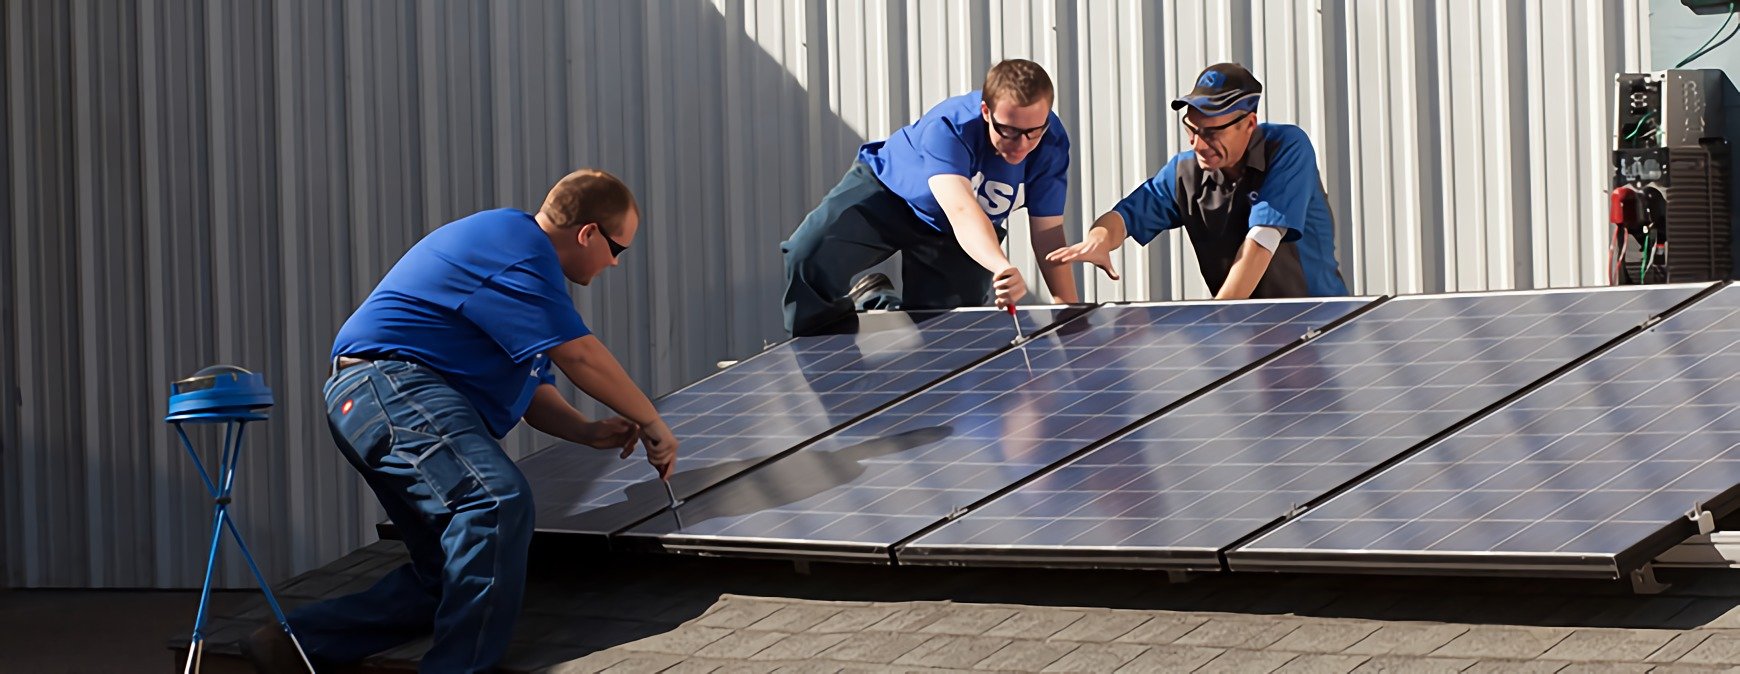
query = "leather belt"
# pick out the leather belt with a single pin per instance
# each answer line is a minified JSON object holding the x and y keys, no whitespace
{"x":348,"y":361}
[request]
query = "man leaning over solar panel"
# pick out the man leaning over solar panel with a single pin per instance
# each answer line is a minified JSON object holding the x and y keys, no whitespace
{"x":1248,"y":194}
{"x":938,"y":192}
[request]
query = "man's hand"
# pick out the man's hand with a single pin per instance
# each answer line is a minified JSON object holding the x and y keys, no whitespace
{"x":612,"y":433}
{"x":661,"y":447}
{"x":1009,"y":286}
{"x":1090,"y":252}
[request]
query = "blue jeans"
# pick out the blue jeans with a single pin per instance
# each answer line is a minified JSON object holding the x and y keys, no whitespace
{"x":857,"y":226}
{"x":461,"y":506}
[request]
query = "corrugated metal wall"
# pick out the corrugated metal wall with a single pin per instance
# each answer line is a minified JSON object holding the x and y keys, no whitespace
{"x":194,"y":182}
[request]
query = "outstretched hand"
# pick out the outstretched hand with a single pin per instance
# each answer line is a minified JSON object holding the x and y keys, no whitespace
{"x":1087,"y":252}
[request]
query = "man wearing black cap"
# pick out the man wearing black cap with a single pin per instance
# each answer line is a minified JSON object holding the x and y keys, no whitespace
{"x":1248,"y":194}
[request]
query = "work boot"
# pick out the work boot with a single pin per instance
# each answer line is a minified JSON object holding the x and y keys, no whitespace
{"x":874,"y":291}
{"x":272,"y":652}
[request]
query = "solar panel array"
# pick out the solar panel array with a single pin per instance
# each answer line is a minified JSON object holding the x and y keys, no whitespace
{"x":868,"y":486}
{"x":1178,"y":490}
{"x":1571,"y":478}
{"x":766,"y":405}
{"x":1525,"y":433}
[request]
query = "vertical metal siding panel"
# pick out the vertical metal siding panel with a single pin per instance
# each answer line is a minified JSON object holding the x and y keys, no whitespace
{"x":1107,"y":138}
{"x":49,"y":485}
{"x":299,"y":285}
{"x":105,"y":99}
{"x":9,"y":382}
{"x":17,"y":508}
{"x":87,"y":441}
{"x":1510,"y":247}
{"x":662,"y":191}
{"x":1145,"y":64}
{"x":19,"y":456}
{"x":1006,"y":35}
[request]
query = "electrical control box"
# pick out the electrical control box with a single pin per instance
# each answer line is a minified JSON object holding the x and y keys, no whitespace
{"x":1669,"y":214}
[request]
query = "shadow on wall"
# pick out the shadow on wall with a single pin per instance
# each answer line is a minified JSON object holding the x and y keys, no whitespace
{"x":221,"y":182}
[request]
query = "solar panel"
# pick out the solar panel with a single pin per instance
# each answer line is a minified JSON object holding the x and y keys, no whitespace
{"x":765,"y":405}
{"x":855,"y":493}
{"x":1591,"y":474}
{"x":1176,"y":491}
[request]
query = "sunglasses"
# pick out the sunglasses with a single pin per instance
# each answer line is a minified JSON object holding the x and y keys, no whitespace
{"x":615,"y":248}
{"x":1012,"y":132}
{"x":1209,"y":133}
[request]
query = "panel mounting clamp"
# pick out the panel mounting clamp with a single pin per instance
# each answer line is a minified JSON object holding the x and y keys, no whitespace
{"x":1704,"y":519}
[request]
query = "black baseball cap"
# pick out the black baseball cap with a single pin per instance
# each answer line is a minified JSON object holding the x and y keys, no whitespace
{"x":1222,"y":88}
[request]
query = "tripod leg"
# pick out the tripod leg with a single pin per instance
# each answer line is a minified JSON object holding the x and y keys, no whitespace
{"x":271,"y":600}
{"x":198,"y":642}
{"x":234,"y":456}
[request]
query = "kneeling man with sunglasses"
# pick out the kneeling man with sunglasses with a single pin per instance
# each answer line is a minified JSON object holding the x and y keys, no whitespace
{"x":938,"y":191}
{"x":1247,"y":193}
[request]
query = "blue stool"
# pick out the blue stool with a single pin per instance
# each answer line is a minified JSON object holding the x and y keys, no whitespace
{"x":222,"y":394}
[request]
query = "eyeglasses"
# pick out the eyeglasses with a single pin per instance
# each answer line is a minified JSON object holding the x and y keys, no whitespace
{"x":615,"y":248}
{"x":1210,"y":133}
{"x":1012,"y":133}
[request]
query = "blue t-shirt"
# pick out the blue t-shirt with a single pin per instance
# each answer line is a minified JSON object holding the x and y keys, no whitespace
{"x":478,"y":300}
{"x":953,"y":138}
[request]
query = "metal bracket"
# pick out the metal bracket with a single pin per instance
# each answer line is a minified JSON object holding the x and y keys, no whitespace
{"x":1311,"y":334}
{"x":957,"y":513}
{"x":725,"y":364}
{"x":1643,"y":581}
{"x":1293,"y":511}
{"x":1650,"y":322}
{"x":1704,"y":519}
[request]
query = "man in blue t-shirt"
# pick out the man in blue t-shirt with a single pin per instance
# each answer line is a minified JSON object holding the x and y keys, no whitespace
{"x":448,"y":354}
{"x":1248,"y":194}
{"x":938,"y":192}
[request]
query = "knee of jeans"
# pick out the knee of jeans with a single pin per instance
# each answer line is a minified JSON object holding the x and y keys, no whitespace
{"x":515,"y":512}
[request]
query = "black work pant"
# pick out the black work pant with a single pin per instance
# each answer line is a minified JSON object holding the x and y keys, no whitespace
{"x":857,"y":226}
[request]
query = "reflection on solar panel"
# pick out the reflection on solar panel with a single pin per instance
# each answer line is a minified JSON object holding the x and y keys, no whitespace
{"x":1591,"y":474}
{"x":1176,"y":491}
{"x":859,"y":491}
{"x":765,"y":405}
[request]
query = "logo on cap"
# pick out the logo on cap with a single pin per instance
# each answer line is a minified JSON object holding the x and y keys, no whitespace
{"x":1212,"y":78}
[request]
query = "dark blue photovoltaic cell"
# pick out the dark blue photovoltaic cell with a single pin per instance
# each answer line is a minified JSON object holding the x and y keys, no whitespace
{"x":1197,"y":479}
{"x":763,"y":406}
{"x":1573,"y":474}
{"x":906,"y":467}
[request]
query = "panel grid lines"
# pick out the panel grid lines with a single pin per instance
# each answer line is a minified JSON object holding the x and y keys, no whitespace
{"x":1587,"y":466}
{"x":903,"y":469}
{"x":1224,"y":465}
{"x":763,"y":406}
